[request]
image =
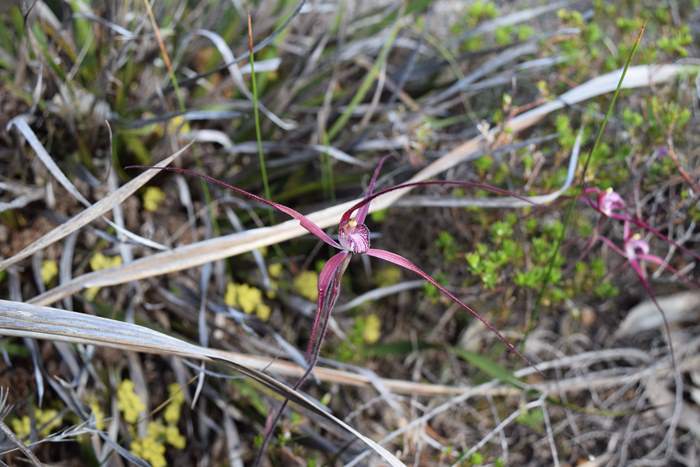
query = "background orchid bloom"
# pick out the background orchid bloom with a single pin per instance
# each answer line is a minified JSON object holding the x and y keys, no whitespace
{"x":353,"y":238}
{"x":606,"y":201}
{"x":637,"y":252}
{"x":611,"y":205}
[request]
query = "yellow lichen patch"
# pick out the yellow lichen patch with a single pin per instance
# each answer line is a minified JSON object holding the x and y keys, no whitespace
{"x":21,"y":426}
{"x":174,"y":438}
{"x":91,"y":292}
{"x":129,"y":402}
{"x":46,"y":421}
{"x":98,"y":414}
{"x":178,"y":125}
{"x":247,"y":298}
{"x":98,"y":262}
{"x":306,"y":284}
{"x":49,"y":271}
{"x":173,"y":409}
{"x":152,"y":197}
{"x":271,"y":293}
{"x":263,"y":311}
{"x":151,"y":447}
{"x":372,"y":330}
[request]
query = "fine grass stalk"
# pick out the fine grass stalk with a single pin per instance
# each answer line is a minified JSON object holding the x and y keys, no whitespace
{"x":256,"y":114}
{"x":580,"y":189}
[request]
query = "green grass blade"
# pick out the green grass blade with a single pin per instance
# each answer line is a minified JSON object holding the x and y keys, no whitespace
{"x":256,"y":113}
{"x":366,"y":84}
{"x":490,"y":367}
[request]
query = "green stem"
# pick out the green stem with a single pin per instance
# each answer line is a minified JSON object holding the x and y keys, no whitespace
{"x":256,"y":114}
{"x":580,"y":187}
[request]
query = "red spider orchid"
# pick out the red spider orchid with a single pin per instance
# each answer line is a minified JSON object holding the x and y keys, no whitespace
{"x":610,"y":204}
{"x":353,"y":238}
{"x":636,"y":250}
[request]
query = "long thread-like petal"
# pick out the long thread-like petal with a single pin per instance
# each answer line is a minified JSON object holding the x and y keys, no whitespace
{"x":483,"y":186}
{"x":678,"y":378}
{"x":362,"y":214}
{"x":406,"y":264}
{"x":609,"y":243}
{"x":303,"y":220}
{"x":328,"y":292}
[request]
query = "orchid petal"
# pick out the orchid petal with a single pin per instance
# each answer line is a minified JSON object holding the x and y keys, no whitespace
{"x":612,"y":246}
{"x":640,"y":223}
{"x":353,"y":237}
{"x":305,"y":222}
{"x":328,"y":292}
{"x":484,"y":186}
{"x":591,"y":203}
{"x":635,"y":246}
{"x":640,"y":273}
{"x":592,"y":190}
{"x":665,"y":266}
{"x":406,"y":264}
{"x":609,"y":201}
{"x":362,"y":214}
{"x":667,"y":328}
{"x":656,"y":260}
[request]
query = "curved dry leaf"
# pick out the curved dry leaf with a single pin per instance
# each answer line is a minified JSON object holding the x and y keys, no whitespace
{"x":88,"y":215}
{"x":22,"y":319}
{"x":679,"y":307}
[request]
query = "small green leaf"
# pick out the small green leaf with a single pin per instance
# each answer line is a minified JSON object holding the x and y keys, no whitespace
{"x":490,"y":367}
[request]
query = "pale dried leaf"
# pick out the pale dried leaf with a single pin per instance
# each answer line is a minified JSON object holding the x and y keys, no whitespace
{"x":25,"y":320}
{"x":679,"y":307}
{"x":88,"y":215}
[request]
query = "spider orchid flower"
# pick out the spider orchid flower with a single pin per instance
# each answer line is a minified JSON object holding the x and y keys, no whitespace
{"x":610,"y":204}
{"x":607,"y":202}
{"x":637,"y":251}
{"x":353,"y":238}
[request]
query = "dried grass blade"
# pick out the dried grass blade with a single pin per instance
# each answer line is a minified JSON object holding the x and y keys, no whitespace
{"x":22,"y":319}
{"x":20,"y":123}
{"x":406,"y":264}
{"x":88,"y":215}
{"x":237,"y":76}
{"x":502,"y":201}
